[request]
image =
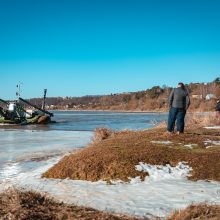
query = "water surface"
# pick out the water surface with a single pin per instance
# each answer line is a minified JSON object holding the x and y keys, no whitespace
{"x":25,"y":148}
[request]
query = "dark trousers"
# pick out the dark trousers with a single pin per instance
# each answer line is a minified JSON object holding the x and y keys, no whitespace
{"x":176,"y":115}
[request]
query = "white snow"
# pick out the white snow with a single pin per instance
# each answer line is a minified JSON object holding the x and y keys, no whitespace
{"x":162,"y":142}
{"x":159,"y":172}
{"x":190,"y":145}
{"x":165,"y":189}
{"x":212,"y":127}
{"x":213,"y":143}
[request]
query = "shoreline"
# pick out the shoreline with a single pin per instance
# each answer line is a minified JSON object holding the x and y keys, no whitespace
{"x":116,"y":111}
{"x":97,"y":189}
{"x":61,"y":189}
{"x":128,"y":111}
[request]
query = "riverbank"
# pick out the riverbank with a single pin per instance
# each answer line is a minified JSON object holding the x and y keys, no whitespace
{"x":158,"y":165}
{"x":151,"y":165}
{"x":147,"y":173}
{"x":156,"y":180}
{"x":29,"y":205}
{"x":115,"y":155}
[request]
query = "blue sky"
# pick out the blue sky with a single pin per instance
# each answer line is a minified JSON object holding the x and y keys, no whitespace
{"x":88,"y":47}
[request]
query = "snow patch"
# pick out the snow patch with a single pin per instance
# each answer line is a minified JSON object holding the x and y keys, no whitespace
{"x":212,"y":127}
{"x":166,"y":189}
{"x":160,"y":172}
{"x":161,"y":142}
{"x":190,"y":145}
{"x":213,"y":143}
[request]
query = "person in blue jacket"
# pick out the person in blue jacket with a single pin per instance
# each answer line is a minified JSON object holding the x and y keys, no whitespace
{"x":179,"y":102}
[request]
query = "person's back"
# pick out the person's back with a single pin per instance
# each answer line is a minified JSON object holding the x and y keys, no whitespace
{"x":179,"y":102}
{"x":217,"y":110}
{"x":217,"y":107}
{"x":179,"y":98}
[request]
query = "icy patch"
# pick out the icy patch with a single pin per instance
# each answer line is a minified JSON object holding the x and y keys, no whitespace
{"x":159,"y":172}
{"x":213,"y":143}
{"x":212,"y":127}
{"x":39,"y":156}
{"x":9,"y":170}
{"x":161,"y":142}
{"x":23,"y":150}
{"x":212,"y":146}
{"x":166,"y":189}
{"x":190,"y":145}
{"x":18,"y":144}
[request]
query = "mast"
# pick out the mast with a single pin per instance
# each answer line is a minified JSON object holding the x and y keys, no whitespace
{"x":44,"y":99}
{"x":18,"y":92}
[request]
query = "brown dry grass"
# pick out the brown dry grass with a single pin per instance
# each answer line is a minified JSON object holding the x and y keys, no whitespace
{"x":198,"y":120}
{"x":115,"y":157}
{"x":195,"y":120}
{"x":198,"y":212}
{"x":18,"y":205}
{"x":29,"y":205}
{"x":102,"y":134}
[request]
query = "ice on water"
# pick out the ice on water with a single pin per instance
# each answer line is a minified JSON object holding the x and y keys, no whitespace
{"x":26,"y":154}
{"x":21,"y":150}
{"x":165,"y":189}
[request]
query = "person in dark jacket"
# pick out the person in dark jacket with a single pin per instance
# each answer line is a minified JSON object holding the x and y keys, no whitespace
{"x":179,"y":102}
{"x":217,"y":109}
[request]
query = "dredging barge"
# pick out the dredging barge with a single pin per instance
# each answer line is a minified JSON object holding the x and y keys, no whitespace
{"x":14,"y":112}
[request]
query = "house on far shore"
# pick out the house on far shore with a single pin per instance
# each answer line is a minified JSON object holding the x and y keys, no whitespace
{"x":197,"y":96}
{"x":210,"y":96}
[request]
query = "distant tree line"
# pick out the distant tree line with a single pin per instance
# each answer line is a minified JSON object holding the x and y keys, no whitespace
{"x":153,"y":99}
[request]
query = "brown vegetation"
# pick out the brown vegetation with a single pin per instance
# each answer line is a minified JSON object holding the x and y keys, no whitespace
{"x":199,"y":120}
{"x":18,"y":205}
{"x":198,"y":212}
{"x":29,"y":205}
{"x":196,"y":120}
{"x":115,"y":157}
{"x":102,"y":134}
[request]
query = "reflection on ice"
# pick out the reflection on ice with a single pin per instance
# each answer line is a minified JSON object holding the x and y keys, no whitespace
{"x":9,"y":170}
{"x":16,"y":143}
{"x":40,"y":156}
{"x":20,"y":147}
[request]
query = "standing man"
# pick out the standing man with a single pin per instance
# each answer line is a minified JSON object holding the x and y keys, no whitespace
{"x":217,"y":110}
{"x":179,"y":102}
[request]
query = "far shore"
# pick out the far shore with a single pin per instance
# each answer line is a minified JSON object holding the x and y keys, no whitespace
{"x":126,"y":111}
{"x":96,"y":110}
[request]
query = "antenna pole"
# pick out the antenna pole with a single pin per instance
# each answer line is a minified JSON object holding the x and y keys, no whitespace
{"x":18,"y":93}
{"x":44,"y":100}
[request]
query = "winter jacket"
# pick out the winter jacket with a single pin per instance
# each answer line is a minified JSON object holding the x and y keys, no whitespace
{"x":217,"y":107}
{"x":179,"y":98}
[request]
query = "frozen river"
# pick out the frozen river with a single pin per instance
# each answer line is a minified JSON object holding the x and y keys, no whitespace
{"x":26,"y":152}
{"x":25,"y":146}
